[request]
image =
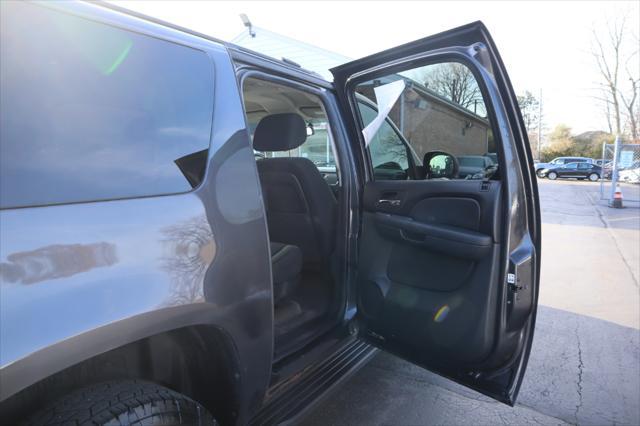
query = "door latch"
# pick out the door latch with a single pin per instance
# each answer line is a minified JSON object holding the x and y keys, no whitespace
{"x":394,"y":203}
{"x":513,"y":282}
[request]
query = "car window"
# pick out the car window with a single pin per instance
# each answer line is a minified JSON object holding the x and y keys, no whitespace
{"x":585,"y":166}
{"x":472,"y":161}
{"x":439,"y":107}
{"x":386,"y":149}
{"x":571,"y":165}
{"x":92,"y":112}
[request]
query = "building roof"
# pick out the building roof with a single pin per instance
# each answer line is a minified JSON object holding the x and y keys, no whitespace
{"x":278,"y":46}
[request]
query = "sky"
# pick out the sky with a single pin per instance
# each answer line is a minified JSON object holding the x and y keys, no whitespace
{"x":545,"y":45}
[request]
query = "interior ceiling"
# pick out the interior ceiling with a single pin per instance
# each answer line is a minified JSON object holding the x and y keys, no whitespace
{"x":263,"y":98}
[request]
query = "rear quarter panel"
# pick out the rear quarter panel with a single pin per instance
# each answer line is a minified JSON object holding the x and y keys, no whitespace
{"x":79,"y":280}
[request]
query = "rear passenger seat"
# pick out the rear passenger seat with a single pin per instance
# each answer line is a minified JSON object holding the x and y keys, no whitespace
{"x":286,"y":264}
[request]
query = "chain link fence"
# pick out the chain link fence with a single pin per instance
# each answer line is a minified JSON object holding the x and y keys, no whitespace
{"x":625,"y":169}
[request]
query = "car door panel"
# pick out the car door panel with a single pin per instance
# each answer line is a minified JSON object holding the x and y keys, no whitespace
{"x":436,"y":258}
{"x":443,"y":239}
{"x":448,"y":269}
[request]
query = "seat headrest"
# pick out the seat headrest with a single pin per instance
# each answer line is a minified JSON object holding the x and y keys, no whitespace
{"x":279,"y":132}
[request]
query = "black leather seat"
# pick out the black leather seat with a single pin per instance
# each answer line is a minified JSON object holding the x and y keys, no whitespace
{"x":301,"y":208}
{"x":286,"y":264}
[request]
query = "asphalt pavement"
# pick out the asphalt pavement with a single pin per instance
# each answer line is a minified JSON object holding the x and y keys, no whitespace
{"x":585,"y":362}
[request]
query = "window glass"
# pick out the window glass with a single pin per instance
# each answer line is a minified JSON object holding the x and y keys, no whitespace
{"x":91,"y":112}
{"x":439,"y":108}
{"x":387,"y":151}
{"x":585,"y":166}
{"x":317,"y":147}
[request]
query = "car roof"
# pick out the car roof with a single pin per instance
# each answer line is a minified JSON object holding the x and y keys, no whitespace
{"x":236,"y":52}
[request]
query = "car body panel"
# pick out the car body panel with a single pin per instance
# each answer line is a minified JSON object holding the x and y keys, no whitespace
{"x":80,"y":279}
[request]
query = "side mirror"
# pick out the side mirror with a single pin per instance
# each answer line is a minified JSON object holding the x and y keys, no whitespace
{"x":440,"y":164}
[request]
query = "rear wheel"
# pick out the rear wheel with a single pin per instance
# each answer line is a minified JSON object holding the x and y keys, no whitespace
{"x":594,"y":177}
{"x":126,"y":402}
{"x":552,"y":175}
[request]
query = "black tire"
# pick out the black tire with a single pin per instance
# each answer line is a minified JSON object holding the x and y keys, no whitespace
{"x":594,"y":177}
{"x":126,"y":402}
{"x":539,"y":173}
{"x":552,"y":175}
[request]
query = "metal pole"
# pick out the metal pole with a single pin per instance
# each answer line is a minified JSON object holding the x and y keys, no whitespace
{"x":604,"y":159}
{"x":539,"y":124}
{"x":614,"y":169}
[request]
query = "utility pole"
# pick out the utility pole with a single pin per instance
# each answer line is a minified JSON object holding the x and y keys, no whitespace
{"x":539,"y":124}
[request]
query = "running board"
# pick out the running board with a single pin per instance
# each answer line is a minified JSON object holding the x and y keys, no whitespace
{"x":289,"y":401}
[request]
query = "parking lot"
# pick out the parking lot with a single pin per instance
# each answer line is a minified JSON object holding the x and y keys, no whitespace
{"x":585,"y":362}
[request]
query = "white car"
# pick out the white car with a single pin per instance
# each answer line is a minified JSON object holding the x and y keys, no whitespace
{"x":630,"y":175}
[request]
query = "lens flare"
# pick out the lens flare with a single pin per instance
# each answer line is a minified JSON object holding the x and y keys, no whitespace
{"x":121,"y":57}
{"x":442,"y":313}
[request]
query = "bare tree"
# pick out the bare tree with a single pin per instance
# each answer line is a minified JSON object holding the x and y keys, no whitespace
{"x":620,"y":91}
{"x":529,"y":106}
{"x":629,"y":99}
{"x":455,"y":82}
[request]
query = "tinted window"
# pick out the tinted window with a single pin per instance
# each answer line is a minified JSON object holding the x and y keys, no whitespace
{"x":89,"y":111}
{"x":585,"y":166}
{"x":435,"y":108}
{"x":388,"y":153}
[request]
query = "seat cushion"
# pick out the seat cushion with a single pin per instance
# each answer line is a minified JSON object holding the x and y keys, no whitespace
{"x":286,"y":264}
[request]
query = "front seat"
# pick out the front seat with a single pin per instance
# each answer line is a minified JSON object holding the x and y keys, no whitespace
{"x":286,"y":264}
{"x":300,"y":206}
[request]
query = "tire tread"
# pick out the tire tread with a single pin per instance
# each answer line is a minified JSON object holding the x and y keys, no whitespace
{"x":125,"y":402}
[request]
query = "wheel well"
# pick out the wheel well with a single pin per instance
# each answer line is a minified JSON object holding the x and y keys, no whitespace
{"x":197,"y":361}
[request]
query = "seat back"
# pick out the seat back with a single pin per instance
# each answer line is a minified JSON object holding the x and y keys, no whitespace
{"x":301,"y":208}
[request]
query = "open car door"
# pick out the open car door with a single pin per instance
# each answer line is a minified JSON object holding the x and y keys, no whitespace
{"x":449,"y":243}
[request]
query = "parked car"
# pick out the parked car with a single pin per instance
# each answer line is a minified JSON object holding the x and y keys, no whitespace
{"x":607,"y":170}
{"x":154,"y":262}
{"x":473,"y":164}
{"x":559,"y":161}
{"x":579,"y":171}
{"x":630,"y":175}
{"x":494,"y":157}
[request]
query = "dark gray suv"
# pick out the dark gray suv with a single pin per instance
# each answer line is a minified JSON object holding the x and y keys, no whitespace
{"x":169,"y":253}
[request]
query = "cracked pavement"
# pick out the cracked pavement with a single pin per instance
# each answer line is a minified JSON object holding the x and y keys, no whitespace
{"x":585,"y":362}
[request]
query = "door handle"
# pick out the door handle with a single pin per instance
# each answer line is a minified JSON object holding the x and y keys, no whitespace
{"x":394,"y":203}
